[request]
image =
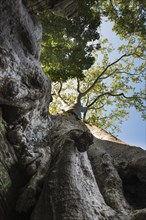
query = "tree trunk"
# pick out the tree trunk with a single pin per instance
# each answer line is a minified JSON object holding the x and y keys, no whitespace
{"x":56,"y":167}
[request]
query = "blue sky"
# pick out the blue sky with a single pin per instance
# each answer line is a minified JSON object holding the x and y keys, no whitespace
{"x":133,"y":130}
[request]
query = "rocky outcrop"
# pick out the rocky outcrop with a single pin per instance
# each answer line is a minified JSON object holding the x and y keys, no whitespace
{"x":24,"y":91}
{"x":63,"y":8}
{"x":120,"y":172}
{"x":52,"y":167}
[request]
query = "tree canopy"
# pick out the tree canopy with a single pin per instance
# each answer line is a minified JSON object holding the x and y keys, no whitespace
{"x":107,"y":91}
{"x":102,"y":92}
{"x":66,"y":51}
{"x":129,"y":17}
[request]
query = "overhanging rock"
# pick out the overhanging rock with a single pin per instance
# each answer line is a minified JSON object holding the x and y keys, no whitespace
{"x":63,"y":8}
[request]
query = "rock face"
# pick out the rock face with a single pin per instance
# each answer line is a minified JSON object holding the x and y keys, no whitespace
{"x":53,"y":167}
{"x":24,"y":88}
{"x":63,"y":8}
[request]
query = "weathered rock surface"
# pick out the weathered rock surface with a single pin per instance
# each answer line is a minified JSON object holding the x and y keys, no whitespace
{"x":53,"y":167}
{"x":24,"y":90}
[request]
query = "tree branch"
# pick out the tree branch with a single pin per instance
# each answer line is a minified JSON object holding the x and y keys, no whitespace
{"x":117,"y":71}
{"x":101,"y":74}
{"x":110,"y":94}
{"x":59,"y":95}
{"x":78,"y":86}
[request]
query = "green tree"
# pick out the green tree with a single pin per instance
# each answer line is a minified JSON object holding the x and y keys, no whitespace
{"x":128,"y":16}
{"x":69,"y":51}
{"x":66,"y":51}
{"x":108,"y":90}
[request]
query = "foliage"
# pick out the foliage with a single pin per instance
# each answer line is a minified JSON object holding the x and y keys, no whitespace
{"x":65,"y":49}
{"x":128,"y":16}
{"x":109,"y":89}
{"x":106,"y":90}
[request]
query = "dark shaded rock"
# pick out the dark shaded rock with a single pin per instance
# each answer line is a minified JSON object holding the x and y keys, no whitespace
{"x":24,"y":100}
